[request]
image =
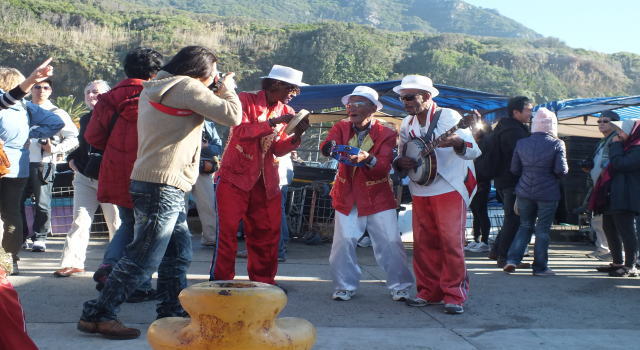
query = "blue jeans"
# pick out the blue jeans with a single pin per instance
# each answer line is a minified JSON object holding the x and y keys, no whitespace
{"x":530,"y":209}
{"x":284,"y":228}
{"x":162,"y":242}
{"x":122,"y":238}
{"x":40,"y":184}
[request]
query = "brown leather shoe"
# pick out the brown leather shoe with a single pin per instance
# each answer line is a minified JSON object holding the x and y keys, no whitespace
{"x":67,"y":271}
{"x":524,"y":265}
{"x":112,"y":329}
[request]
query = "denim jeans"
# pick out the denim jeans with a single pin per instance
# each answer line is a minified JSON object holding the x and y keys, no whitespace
{"x":530,"y":209}
{"x":40,"y":184}
{"x":284,"y":228}
{"x":122,"y":238}
{"x":162,"y":242}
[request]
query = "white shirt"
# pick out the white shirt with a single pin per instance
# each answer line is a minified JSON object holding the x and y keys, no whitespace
{"x":285,"y":169}
{"x":67,"y":139}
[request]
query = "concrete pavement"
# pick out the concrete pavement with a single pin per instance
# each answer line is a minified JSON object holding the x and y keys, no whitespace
{"x":578,"y":309}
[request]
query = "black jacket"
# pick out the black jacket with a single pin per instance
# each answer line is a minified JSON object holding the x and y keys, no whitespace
{"x":508,"y":131}
{"x":625,"y":181}
{"x":80,"y":155}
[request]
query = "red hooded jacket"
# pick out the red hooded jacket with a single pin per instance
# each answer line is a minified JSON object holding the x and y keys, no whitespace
{"x":367,"y":188}
{"x":121,"y":146}
{"x":242,"y":161}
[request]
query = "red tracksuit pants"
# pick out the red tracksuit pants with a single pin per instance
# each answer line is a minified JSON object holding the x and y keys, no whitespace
{"x":261,"y":218}
{"x":438,"y":248}
{"x":13,"y":334}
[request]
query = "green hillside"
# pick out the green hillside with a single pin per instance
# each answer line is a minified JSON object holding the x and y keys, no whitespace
{"x":89,"y":38}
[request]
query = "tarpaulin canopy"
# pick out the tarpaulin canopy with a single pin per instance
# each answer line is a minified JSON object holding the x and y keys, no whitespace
{"x":628,"y":107}
{"x":317,"y":98}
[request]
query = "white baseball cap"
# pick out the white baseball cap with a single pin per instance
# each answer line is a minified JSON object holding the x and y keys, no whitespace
{"x":364,"y":91}
{"x":286,"y":74}
{"x":417,"y":82}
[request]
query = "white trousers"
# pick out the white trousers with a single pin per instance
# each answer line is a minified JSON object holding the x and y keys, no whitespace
{"x":387,"y":248}
{"x":205,"y":196}
{"x":601,"y":239}
{"x":85,"y":204}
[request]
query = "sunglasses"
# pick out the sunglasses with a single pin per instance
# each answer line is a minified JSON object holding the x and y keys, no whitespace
{"x":356,"y":104}
{"x":603,"y":121}
{"x":406,"y":98}
{"x":290,"y":87}
{"x":42,"y":87}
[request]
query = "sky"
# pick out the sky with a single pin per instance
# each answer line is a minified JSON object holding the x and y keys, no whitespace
{"x":606,"y":26}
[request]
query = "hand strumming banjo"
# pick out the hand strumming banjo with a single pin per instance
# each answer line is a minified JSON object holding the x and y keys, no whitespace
{"x":423,"y":152}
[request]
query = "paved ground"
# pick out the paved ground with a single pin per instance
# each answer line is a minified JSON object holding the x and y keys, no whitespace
{"x":578,"y":309}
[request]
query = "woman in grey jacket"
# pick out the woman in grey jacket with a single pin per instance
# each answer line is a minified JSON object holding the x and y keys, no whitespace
{"x":540,"y":161}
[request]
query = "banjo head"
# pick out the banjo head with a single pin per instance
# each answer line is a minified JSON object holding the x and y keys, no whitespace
{"x":424,"y":173}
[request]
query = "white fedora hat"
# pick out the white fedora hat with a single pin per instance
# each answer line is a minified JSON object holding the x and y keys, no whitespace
{"x":364,"y":91}
{"x":286,"y":74}
{"x":417,"y":82}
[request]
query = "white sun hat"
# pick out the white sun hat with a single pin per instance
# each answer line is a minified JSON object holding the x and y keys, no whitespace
{"x":417,"y":82}
{"x":364,"y":91}
{"x":286,"y":74}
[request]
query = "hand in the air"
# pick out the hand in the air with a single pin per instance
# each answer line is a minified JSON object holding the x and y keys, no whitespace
{"x":361,"y":157}
{"x":406,"y":163}
{"x":41,"y":73}
{"x":302,"y":126}
{"x":454,"y":141}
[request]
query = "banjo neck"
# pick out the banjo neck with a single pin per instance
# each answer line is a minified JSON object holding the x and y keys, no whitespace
{"x":466,"y":121}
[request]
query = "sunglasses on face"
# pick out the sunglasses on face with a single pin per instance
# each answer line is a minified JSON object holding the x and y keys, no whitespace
{"x":356,"y":104}
{"x":603,"y":121}
{"x":290,"y":88}
{"x":406,"y":98}
{"x":42,"y":87}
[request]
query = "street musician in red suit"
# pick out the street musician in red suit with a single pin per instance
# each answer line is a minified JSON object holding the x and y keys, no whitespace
{"x":249,"y":182}
{"x":363,"y":199}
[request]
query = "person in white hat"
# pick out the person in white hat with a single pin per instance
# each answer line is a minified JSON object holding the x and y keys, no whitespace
{"x":439,"y":209}
{"x":249,"y":182}
{"x":363,"y":199}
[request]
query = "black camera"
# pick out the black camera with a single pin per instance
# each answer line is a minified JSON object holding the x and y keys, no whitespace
{"x":43,"y":141}
{"x":217,"y":82}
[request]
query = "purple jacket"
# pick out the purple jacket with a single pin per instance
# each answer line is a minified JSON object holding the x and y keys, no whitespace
{"x":540,"y":160}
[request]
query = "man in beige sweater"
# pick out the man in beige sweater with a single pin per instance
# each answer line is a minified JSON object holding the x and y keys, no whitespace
{"x":172,"y":109}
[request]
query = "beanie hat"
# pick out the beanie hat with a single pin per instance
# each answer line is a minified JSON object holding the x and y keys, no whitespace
{"x":545,"y":121}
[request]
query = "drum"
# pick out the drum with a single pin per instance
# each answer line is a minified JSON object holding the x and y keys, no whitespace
{"x":425,"y":172}
{"x":291,"y":126}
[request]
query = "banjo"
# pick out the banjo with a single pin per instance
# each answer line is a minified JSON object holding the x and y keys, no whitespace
{"x":423,"y":152}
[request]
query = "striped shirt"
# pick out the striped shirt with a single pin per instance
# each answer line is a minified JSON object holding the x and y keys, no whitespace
{"x":10,"y":98}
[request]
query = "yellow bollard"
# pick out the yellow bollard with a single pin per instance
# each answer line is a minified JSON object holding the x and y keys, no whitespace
{"x":228,"y":315}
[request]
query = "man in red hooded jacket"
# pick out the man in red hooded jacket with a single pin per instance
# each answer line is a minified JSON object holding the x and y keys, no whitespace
{"x":363,"y":199}
{"x":249,"y":187}
{"x":113,"y":128}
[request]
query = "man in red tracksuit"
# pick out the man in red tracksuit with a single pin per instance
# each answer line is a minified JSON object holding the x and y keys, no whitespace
{"x":249,"y":183}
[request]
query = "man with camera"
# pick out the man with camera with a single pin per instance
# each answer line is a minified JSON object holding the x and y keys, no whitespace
{"x":44,"y":154}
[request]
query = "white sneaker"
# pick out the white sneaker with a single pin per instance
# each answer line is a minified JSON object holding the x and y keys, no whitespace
{"x":400,"y":294}
{"x":343,"y":295}
{"x":470,"y":246}
{"x":38,"y":247}
{"x":480,"y":248}
{"x":364,"y":242}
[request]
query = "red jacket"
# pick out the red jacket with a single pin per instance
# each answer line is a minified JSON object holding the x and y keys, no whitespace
{"x":121,"y":146}
{"x":13,"y":333}
{"x":243,"y":161}
{"x":367,"y":188}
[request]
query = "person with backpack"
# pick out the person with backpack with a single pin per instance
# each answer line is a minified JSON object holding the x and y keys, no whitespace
{"x":172,"y":110}
{"x":113,"y":129}
{"x":501,"y":145}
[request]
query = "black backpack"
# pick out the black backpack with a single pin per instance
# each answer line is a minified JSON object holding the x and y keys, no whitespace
{"x":489,"y":165}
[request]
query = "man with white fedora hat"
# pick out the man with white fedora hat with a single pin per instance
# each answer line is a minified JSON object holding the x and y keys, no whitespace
{"x":363,"y":199}
{"x":439,"y":208}
{"x":249,"y":182}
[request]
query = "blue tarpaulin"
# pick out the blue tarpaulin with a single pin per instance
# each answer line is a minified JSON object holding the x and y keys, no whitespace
{"x":628,"y":107}
{"x":322,"y":97}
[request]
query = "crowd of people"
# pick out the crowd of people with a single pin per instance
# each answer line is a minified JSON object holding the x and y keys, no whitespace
{"x":149,"y":144}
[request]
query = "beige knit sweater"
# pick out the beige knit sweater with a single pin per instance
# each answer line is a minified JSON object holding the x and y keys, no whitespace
{"x":169,"y":146}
